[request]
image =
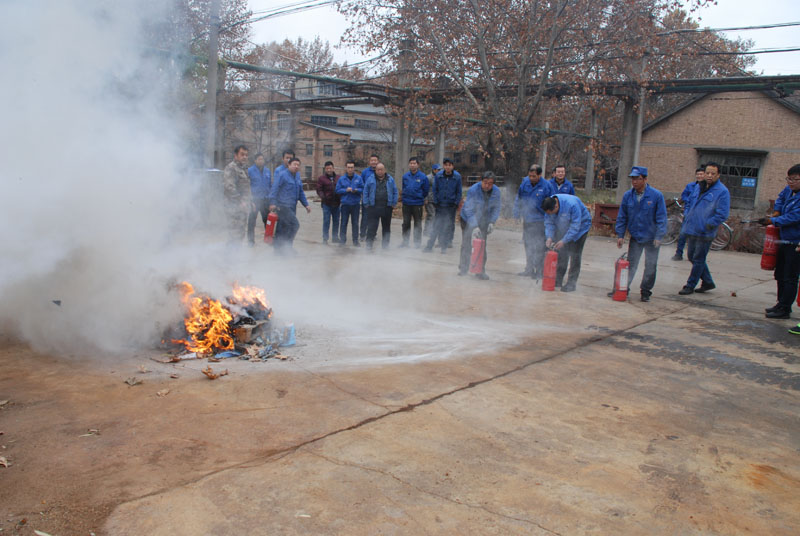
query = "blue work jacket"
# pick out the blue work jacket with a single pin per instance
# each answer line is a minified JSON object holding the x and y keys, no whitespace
{"x":260,"y":181}
{"x":415,"y":188}
{"x":645,"y":220}
{"x":369,"y":191}
{"x":572,"y":221}
{"x":781,"y":201}
{"x":789,"y":220}
{"x":686,"y":196}
{"x":528,"y":203}
{"x":354,"y":182}
{"x":287,"y":189}
{"x":475,"y":204}
{"x":367,"y":173}
{"x":447,"y":189}
{"x":565,"y":188}
{"x":708,"y":210}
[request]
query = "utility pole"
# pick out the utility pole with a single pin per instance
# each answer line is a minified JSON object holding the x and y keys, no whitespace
{"x":640,"y":118}
{"x":211,"y":87}
{"x":628,"y":145}
{"x":402,"y":136}
{"x":589,"y":185}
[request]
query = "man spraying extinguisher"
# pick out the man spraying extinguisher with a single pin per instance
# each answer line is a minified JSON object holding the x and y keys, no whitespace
{"x":643,"y":214}
{"x":480,"y":212}
{"x":786,"y":217}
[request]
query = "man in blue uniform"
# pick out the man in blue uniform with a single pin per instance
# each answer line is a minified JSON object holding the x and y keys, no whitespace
{"x":710,"y":206}
{"x":528,"y":205}
{"x":566,"y":227}
{"x":786,"y":217}
{"x":366,"y":174}
{"x":643,"y":214}
{"x":380,"y":197}
{"x":559,"y":181}
{"x":415,"y":190}
{"x":260,"y":184}
{"x":349,"y":187}
{"x":446,"y":198}
{"x":287,"y":190}
{"x":480,"y":212}
{"x":686,"y":196}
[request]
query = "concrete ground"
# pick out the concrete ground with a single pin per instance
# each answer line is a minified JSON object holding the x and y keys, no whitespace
{"x":420,"y":402}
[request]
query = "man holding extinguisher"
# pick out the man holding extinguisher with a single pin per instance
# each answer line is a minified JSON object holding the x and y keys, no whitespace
{"x":643,"y":214}
{"x":480,"y":212}
{"x":786,"y":217}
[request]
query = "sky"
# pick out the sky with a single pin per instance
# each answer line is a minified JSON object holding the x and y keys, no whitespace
{"x":330,"y":24}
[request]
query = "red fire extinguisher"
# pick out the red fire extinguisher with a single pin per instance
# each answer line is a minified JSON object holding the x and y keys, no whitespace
{"x":769,"y":257}
{"x":269,"y":227}
{"x":478,"y":251}
{"x":549,"y":272}
{"x":621,"y":278}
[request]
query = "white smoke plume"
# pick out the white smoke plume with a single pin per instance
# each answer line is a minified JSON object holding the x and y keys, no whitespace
{"x":90,"y":162}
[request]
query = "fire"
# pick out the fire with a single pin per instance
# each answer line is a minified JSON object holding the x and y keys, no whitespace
{"x":207,"y":322}
{"x":247,"y":296}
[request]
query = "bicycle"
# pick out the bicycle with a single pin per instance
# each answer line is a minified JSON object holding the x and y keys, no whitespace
{"x":674,"y":223}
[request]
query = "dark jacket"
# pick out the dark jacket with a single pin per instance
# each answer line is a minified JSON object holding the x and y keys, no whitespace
{"x":326,"y":190}
{"x":369,"y":191}
{"x":447,"y":189}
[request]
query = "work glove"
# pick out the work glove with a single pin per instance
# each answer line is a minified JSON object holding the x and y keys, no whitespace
{"x":490,"y":229}
{"x":763,"y":221}
{"x":476,"y":233}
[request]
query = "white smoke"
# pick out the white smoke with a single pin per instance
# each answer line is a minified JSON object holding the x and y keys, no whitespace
{"x":90,"y":163}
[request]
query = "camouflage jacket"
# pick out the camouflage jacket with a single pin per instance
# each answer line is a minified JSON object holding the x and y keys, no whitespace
{"x":236,"y":184}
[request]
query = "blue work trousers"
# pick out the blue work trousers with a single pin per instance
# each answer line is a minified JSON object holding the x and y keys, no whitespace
{"x":697,"y":251}
{"x":349,"y":213}
{"x":635,"y":250}
{"x":329,"y":213}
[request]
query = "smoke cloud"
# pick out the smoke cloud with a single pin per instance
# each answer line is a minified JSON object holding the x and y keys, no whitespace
{"x":91,"y":160}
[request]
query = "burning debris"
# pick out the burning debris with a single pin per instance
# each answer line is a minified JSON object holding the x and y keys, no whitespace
{"x":240,"y":327}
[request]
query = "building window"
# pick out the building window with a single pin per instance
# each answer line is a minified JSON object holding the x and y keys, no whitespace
{"x":473,"y":158}
{"x":327,"y":150}
{"x":309,"y":149}
{"x":260,"y":122}
{"x":324,"y":120}
{"x":308,"y":172}
{"x":283,"y":122}
{"x":366,"y":123}
{"x":327,"y":88}
{"x":456,"y":158}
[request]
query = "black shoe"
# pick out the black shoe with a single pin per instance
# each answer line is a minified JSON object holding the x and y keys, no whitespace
{"x":645,"y":297}
{"x":773,"y":308}
{"x":482,"y":276}
{"x":705,"y":288}
{"x":568,"y":288}
{"x":610,"y":294}
{"x":778,"y":313}
{"x":795,"y":330}
{"x":558,"y":284}
{"x":685,"y":291}
{"x":427,"y":249}
{"x":677,"y":257}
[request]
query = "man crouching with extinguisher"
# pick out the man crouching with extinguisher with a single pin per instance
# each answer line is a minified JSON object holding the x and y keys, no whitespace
{"x":643,"y":214}
{"x":566,"y":227}
{"x":786,"y":217}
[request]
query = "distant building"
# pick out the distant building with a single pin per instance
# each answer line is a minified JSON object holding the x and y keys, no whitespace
{"x":752,"y":135}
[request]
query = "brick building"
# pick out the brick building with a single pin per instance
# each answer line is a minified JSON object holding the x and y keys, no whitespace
{"x":753,"y":135}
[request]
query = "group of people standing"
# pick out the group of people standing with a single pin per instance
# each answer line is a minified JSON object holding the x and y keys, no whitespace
{"x":552,"y":216}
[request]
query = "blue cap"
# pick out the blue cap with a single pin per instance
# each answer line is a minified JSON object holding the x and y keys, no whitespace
{"x":436,"y":166}
{"x":638,"y":171}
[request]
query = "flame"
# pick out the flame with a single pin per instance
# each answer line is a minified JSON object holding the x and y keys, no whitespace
{"x":207,"y":322}
{"x":245,"y":295}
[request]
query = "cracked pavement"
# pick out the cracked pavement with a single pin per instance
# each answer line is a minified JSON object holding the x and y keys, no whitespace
{"x":536,"y":413}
